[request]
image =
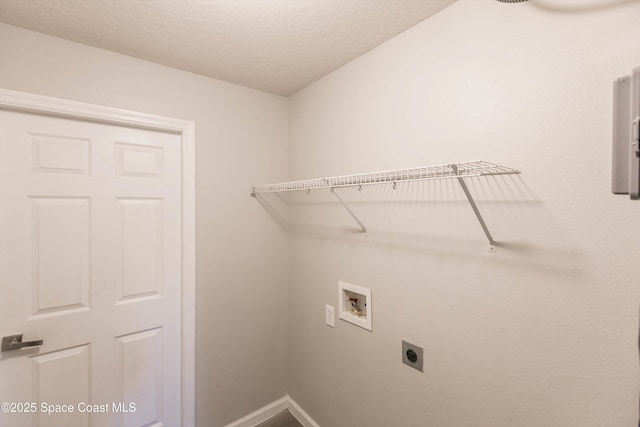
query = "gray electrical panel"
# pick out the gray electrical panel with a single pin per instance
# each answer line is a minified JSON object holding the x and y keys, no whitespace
{"x":621,"y":135}
{"x":634,"y":155}
{"x":625,"y":178}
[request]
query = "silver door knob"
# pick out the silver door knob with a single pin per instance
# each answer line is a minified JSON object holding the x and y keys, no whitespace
{"x":14,"y":342}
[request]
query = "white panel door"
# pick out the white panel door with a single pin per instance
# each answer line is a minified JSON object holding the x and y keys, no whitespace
{"x":90,"y":262}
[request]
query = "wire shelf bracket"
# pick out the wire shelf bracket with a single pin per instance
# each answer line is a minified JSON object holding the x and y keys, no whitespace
{"x":364,"y":229}
{"x":458,"y":171}
{"x":476,"y":211}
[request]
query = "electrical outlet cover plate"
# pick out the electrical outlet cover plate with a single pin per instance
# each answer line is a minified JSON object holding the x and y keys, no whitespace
{"x":330,"y":316}
{"x":412,"y":355}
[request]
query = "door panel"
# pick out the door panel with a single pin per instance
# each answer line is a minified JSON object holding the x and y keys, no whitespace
{"x":59,"y":278}
{"x":139,"y":248}
{"x":60,"y":154}
{"x":59,"y":377}
{"x":141,"y":381}
{"x":90,"y":262}
{"x":138,"y":161}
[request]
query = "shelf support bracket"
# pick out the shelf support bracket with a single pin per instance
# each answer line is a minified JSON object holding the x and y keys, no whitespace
{"x":364,"y":229}
{"x":476,"y":211}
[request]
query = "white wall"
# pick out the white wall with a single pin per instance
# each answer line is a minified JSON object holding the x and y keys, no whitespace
{"x":543,"y":332}
{"x":241,"y":136}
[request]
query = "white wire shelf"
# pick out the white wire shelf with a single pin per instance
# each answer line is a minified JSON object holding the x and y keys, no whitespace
{"x":459,"y":171}
{"x":451,"y":170}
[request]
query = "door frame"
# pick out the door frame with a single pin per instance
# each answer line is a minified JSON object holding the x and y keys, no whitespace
{"x":56,"y":107}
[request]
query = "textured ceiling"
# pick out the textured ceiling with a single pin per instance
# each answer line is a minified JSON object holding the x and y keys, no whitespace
{"x":279,"y":46}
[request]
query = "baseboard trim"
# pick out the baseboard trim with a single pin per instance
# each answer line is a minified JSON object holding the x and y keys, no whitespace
{"x":273,"y":409}
{"x":300,"y":414}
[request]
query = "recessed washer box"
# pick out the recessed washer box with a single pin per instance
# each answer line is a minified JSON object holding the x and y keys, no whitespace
{"x":355,"y":304}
